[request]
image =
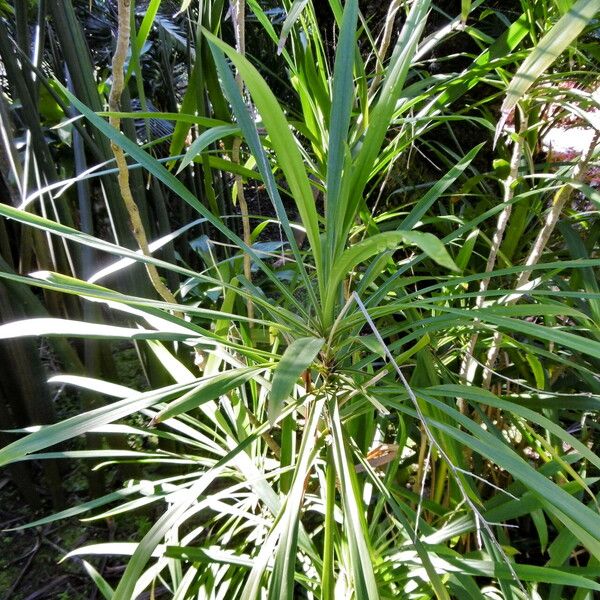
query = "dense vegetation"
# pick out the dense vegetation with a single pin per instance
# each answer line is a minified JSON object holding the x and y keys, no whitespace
{"x":360,"y":281}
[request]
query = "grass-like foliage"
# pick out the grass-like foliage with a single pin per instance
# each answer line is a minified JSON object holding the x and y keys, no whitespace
{"x":395,"y":384}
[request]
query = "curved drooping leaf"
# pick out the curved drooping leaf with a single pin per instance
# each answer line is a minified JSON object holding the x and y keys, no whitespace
{"x":208,"y":390}
{"x":80,"y":424}
{"x":293,"y":15}
{"x":70,"y":328}
{"x":282,"y":140}
{"x":204,"y":140}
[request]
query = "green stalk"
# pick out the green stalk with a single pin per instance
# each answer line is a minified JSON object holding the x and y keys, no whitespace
{"x":287,"y":452}
{"x":441,"y":479}
{"x":328,"y":574}
{"x":116,"y":92}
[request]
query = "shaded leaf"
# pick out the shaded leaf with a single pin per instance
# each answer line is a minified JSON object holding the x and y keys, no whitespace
{"x":297,"y":357}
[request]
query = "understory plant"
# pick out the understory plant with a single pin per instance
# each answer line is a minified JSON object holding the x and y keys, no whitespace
{"x":365,"y":399}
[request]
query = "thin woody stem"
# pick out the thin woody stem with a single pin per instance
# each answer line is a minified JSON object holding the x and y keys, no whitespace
{"x":469,"y":366}
{"x":114,"y":101}
{"x":561,"y":198}
{"x":386,"y":38}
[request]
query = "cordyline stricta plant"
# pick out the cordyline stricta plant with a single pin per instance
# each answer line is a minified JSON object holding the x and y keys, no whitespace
{"x":375,"y":382}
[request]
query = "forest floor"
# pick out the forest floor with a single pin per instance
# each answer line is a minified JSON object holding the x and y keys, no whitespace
{"x":30,"y":559}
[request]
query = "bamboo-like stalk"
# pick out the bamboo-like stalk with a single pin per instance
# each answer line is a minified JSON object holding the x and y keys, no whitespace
{"x":561,"y":198}
{"x":77,"y":59}
{"x":469,"y":365}
{"x":118,"y":63}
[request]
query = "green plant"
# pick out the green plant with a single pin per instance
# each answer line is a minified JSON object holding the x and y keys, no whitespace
{"x":275,"y":489}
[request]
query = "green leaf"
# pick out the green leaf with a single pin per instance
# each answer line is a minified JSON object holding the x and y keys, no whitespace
{"x":287,"y":523}
{"x":465,"y":9}
{"x":100,"y":582}
{"x":161,"y":173}
{"x":80,"y":424}
{"x":282,"y":582}
{"x":152,"y":247}
{"x":432,"y":247}
{"x":297,"y":357}
{"x":381,"y":116}
{"x":381,"y":242}
{"x":150,"y":12}
{"x":248,"y":127}
{"x":64,"y":327}
{"x":84,"y":507}
{"x":90,"y":383}
{"x":179,"y":117}
{"x":341,"y":112}
{"x":355,"y":526}
{"x":283,"y":141}
{"x":209,"y":556}
{"x":372,"y":344}
{"x":573,"y":513}
{"x":483,"y":568}
{"x":539,"y":520}
{"x":487,"y":398}
{"x":292,"y":16}
{"x":205,"y":139}
{"x":439,"y":188}
{"x":390,"y":240}
{"x":208,"y":390}
{"x":147,"y":546}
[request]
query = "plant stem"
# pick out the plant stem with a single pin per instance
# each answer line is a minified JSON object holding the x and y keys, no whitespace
{"x":114,"y":100}
{"x":386,"y":38}
{"x":469,"y":365}
{"x":561,"y":199}
{"x":328,"y":576}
